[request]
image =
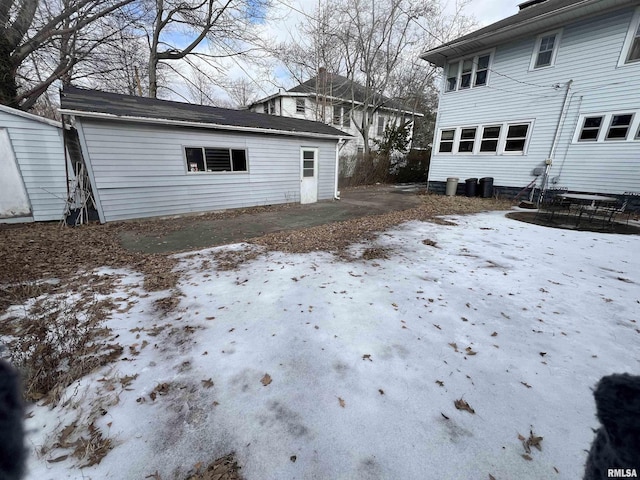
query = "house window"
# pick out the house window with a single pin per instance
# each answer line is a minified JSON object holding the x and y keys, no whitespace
{"x":490,"y":137}
{"x":482,"y":69}
{"x":619,"y":126}
{"x":590,"y":129}
{"x":381,"y":121}
{"x":516,"y":138}
{"x":215,"y":159}
{"x":467,"y":73}
{"x":265,"y":107}
{"x":446,"y":141}
{"x":545,"y":50}
{"x":467,"y":140}
{"x":634,"y":47}
{"x":299,"y":105}
{"x":337,"y":115}
{"x":452,"y":76}
{"x":346,"y":116}
{"x":272,"y":106}
{"x":465,"y":77}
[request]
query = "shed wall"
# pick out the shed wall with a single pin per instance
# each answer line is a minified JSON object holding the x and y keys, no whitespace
{"x":140,"y":170}
{"x":38,"y":148}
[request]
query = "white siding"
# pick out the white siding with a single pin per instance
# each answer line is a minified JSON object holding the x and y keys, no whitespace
{"x":588,"y":54}
{"x":140,"y":171}
{"x":40,"y":155}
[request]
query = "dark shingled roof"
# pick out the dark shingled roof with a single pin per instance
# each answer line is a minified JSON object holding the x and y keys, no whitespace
{"x":332,"y":85}
{"x":95,"y":101}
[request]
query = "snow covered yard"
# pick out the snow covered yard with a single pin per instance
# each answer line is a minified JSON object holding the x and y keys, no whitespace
{"x":312,"y":367}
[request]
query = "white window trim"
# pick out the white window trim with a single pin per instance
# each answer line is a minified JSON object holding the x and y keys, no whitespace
{"x":502,"y":139}
{"x":459,"y":60}
{"x":481,"y":129}
{"x":633,"y":28}
{"x":606,"y":124}
{"x":554,"y":52}
{"x":453,"y":144}
{"x":218,"y":147}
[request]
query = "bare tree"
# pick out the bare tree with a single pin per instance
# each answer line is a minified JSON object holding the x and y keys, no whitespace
{"x":225,"y":25}
{"x":51,"y":32}
{"x":243,"y":92}
{"x":376,"y":45}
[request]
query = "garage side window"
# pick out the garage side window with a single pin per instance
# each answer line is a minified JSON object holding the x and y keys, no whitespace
{"x":203,"y":159}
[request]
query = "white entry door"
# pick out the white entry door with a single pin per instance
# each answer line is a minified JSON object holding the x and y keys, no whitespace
{"x":309,"y":175}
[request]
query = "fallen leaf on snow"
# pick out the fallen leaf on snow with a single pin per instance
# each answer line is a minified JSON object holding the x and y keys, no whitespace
{"x":341,"y":402}
{"x":207,"y":383}
{"x":266,"y":380}
{"x":440,"y":383}
{"x":494,"y":334}
{"x":454,"y":346}
{"x":367,"y":356}
{"x":463,"y":405}
{"x":526,"y":384}
{"x":469,"y":351}
{"x":527,"y":457}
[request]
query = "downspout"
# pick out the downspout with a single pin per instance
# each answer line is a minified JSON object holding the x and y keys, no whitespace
{"x":549,"y":161}
{"x":341,"y":143}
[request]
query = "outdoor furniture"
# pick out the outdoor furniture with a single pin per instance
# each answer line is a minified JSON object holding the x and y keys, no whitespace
{"x":552,"y":202}
{"x":591,"y":206}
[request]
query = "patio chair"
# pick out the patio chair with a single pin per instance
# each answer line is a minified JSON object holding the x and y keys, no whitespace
{"x":608,"y":214}
{"x":552,"y":203}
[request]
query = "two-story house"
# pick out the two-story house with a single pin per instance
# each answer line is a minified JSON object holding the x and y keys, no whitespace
{"x":549,"y":97}
{"x":336,"y":100}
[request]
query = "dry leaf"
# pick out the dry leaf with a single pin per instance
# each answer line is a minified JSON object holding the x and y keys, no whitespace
{"x":440,"y":383}
{"x":526,"y":384}
{"x":341,"y":401}
{"x":207,"y":383}
{"x":367,"y":356}
{"x":58,"y":459}
{"x":462,"y":405}
{"x":470,"y":351}
{"x":526,"y":457}
{"x":494,"y":334}
{"x":381,"y":391}
{"x":266,"y":380}
{"x":521,"y":438}
{"x":454,"y":346}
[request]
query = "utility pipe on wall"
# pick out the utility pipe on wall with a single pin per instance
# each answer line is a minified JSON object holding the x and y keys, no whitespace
{"x":549,"y":161}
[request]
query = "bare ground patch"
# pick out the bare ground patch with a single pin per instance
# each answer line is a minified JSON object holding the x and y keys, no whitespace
{"x":336,"y":237}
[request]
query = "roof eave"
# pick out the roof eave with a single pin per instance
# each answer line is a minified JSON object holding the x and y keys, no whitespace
{"x":547,"y":21}
{"x":184,"y":123}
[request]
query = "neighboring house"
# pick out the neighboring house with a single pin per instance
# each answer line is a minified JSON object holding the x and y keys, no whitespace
{"x":551,"y":95}
{"x":336,"y":100}
{"x":33,"y":178}
{"x":147,"y":157}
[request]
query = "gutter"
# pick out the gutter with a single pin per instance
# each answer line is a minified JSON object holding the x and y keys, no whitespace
{"x":341,"y":143}
{"x":184,"y":123}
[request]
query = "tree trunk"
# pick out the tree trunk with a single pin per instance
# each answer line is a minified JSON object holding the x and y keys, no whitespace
{"x":8,"y":87}
{"x":153,"y":75}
